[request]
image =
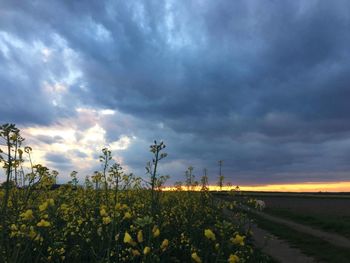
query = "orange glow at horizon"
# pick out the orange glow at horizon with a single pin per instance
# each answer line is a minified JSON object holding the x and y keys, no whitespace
{"x":297,"y":187}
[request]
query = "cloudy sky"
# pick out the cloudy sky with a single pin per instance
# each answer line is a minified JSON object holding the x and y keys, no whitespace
{"x":262,"y":85}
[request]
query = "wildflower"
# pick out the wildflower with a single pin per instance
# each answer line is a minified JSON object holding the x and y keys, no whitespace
{"x":238,"y":240}
{"x":27,"y":215}
{"x":13,"y":227}
{"x":51,"y":202}
{"x":140,"y":236}
{"x":209,"y":234}
{"x":43,"y":223}
{"x":32,"y":233}
{"x":196,"y":258}
{"x":127,"y":215}
{"x":135,"y":252}
{"x":106,"y":220}
{"x":43,"y":206}
{"x":103,"y":212}
{"x":164,"y":244}
{"x":156,"y":231}
{"x":233,"y":258}
{"x":64,"y":207}
{"x":128,"y":239}
{"x":146,"y":250}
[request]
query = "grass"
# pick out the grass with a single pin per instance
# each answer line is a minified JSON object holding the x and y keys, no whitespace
{"x":309,"y":245}
{"x":330,"y":223}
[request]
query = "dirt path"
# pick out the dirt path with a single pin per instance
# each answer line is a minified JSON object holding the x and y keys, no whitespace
{"x":334,"y":239}
{"x":278,"y":249}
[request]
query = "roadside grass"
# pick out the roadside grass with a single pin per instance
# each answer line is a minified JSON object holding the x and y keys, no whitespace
{"x":320,"y":250}
{"x":259,"y":256}
{"x":330,"y":223}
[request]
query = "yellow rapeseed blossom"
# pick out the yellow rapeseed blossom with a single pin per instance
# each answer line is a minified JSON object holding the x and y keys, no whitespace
{"x":164,"y":244}
{"x":43,"y":206}
{"x":106,"y":220}
{"x":156,"y":231}
{"x":209,"y":234}
{"x":140,"y":236}
{"x":146,"y":250}
{"x":43,"y":223}
{"x":128,"y":239}
{"x":27,"y":215}
{"x":127,"y":215}
{"x":233,"y":259}
{"x":196,"y":258}
{"x":103,"y":212}
{"x":238,"y":240}
{"x":51,"y":202}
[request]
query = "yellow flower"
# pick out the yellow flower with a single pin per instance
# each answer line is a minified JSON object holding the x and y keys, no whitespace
{"x":140,"y":236}
{"x":106,"y":220}
{"x":238,"y":240}
{"x":127,"y":215}
{"x":32,"y":233}
{"x":128,"y":239}
{"x":13,"y":227}
{"x":135,"y":252}
{"x":233,"y":259}
{"x":146,"y":250}
{"x":103,"y":212}
{"x":196,"y":258}
{"x":164,"y":244}
{"x":64,"y":207}
{"x":43,"y":223}
{"x":51,"y":202}
{"x":43,"y":206}
{"x":27,"y":215}
{"x":156,"y":231}
{"x":209,"y":234}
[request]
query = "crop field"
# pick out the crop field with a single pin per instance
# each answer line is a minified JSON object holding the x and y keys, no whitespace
{"x":111,"y":216}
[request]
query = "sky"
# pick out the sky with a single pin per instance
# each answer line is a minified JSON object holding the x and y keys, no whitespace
{"x":261,"y":85}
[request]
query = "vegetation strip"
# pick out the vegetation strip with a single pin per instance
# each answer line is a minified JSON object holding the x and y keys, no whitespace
{"x":319,"y":249}
{"x":332,"y":238}
{"x":336,"y":223}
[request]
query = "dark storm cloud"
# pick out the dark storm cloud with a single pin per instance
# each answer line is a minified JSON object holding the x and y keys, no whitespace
{"x":262,"y":85}
{"x":56,"y":158}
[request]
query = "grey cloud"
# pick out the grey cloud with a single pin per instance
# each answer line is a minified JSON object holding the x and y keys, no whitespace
{"x":263,"y":86}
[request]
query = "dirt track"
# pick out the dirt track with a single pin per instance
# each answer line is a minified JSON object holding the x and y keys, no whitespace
{"x":334,"y":239}
{"x":278,"y":249}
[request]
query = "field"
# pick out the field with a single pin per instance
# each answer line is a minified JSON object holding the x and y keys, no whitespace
{"x":325,"y":215}
{"x":328,"y":212}
{"x":112,"y":216}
